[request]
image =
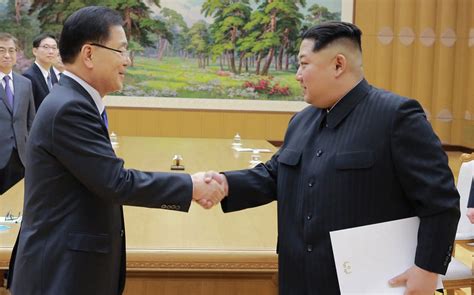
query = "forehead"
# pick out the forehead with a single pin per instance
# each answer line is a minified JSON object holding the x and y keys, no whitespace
{"x":306,"y":48}
{"x":48,"y":41}
{"x":7,"y":43}
{"x":117,"y":36}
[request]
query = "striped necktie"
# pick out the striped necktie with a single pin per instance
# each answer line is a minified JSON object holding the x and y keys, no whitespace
{"x":104,"y":118}
{"x":8,"y":90}
{"x":50,"y":84}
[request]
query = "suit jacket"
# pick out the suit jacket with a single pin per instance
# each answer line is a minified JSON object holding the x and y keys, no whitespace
{"x":15,"y":124}
{"x":72,"y":237}
{"x":372,"y":158}
{"x":470,"y":202}
{"x":40,"y":88}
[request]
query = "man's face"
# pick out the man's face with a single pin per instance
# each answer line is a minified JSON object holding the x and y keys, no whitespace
{"x":7,"y":55}
{"x":316,"y":74}
{"x":46,"y":52}
{"x":110,"y":66}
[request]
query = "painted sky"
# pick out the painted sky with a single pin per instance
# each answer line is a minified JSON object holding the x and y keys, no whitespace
{"x":191,"y":9}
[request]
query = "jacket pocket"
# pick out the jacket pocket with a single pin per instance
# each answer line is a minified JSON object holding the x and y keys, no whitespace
{"x":99,"y":243}
{"x":289,"y":157}
{"x":355,"y":160}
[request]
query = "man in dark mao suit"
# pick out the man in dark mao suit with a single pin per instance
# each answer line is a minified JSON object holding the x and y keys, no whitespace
{"x":357,"y":155}
{"x":17,"y":111}
{"x":72,"y":238}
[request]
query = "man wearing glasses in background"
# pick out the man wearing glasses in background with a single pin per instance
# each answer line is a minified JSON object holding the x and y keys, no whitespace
{"x":17,"y":111}
{"x":45,"y":50}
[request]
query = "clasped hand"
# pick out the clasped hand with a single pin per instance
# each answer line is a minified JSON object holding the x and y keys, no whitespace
{"x":209,"y":188}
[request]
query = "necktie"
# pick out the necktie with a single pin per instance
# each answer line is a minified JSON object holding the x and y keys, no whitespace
{"x":50,"y":85}
{"x":104,"y":118}
{"x":8,"y":90}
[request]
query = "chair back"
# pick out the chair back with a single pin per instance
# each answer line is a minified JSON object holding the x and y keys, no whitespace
{"x":464,"y":185}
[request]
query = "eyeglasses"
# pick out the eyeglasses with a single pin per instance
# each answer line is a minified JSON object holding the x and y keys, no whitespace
{"x":10,"y":50}
{"x":47,"y":47}
{"x":123,"y":53}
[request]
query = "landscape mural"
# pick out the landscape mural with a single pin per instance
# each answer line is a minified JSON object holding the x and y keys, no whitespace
{"x":241,"y":49}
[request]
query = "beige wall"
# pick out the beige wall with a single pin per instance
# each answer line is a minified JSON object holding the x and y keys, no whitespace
{"x":424,"y":49}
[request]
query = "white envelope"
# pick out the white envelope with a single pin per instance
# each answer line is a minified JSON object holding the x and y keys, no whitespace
{"x":367,"y":257}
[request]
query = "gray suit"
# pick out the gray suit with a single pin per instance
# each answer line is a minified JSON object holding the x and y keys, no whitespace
{"x":14,"y":127}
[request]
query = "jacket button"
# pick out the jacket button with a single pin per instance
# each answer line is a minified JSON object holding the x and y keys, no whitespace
{"x":308,"y":217}
{"x":310,"y":248}
{"x":122,"y":233}
{"x":310,"y":184}
{"x":319,"y":153}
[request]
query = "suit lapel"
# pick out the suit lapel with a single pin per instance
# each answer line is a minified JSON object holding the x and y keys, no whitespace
{"x":52,"y":73}
{"x":40,"y":76}
{"x":18,"y":86}
{"x":3,"y":95}
{"x":71,"y":83}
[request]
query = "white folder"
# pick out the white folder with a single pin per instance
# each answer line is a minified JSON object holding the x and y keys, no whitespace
{"x":367,"y":257}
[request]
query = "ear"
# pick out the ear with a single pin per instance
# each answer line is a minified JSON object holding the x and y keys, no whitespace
{"x":35,"y":51}
{"x":340,"y":64}
{"x":86,"y":56}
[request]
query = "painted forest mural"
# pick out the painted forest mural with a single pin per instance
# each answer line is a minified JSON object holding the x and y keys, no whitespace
{"x":243,"y":49}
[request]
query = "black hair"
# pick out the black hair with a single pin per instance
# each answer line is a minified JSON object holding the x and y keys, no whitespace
{"x":328,"y":32}
{"x":37,"y":40}
{"x":88,"y":24}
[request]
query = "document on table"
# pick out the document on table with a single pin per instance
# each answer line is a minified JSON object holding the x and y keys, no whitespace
{"x":367,"y":257}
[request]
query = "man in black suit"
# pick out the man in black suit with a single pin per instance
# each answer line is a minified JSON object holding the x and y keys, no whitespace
{"x":17,"y":111}
{"x":357,"y":155}
{"x":45,"y":50}
{"x":72,"y":237}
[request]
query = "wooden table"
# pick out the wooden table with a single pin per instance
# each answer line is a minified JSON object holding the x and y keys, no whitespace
{"x":200,"y":252}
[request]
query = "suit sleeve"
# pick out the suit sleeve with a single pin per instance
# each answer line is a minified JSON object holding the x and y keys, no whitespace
{"x":80,"y":143}
{"x":251,"y":187}
{"x":422,"y":167}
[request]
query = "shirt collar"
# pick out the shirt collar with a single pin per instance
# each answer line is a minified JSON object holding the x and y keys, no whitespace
{"x":9,"y":75}
{"x":92,"y":92}
{"x":347,"y":103}
{"x":43,"y":71}
{"x":56,"y":71}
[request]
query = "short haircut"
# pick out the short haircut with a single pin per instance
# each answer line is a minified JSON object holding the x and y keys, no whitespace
{"x":87,"y":25}
{"x":41,"y":37}
{"x":327,"y":33}
{"x":7,"y":36}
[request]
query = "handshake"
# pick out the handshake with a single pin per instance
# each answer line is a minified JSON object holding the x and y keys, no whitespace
{"x":209,"y":188}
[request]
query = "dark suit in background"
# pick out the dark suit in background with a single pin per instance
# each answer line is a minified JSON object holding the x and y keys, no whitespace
{"x":72,"y":238}
{"x":40,"y":88}
{"x":372,"y":158}
{"x":470,"y":202}
{"x":14,"y":127}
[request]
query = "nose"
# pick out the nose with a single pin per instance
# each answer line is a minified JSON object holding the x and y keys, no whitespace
{"x":298,"y":75}
{"x":128,"y":61}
